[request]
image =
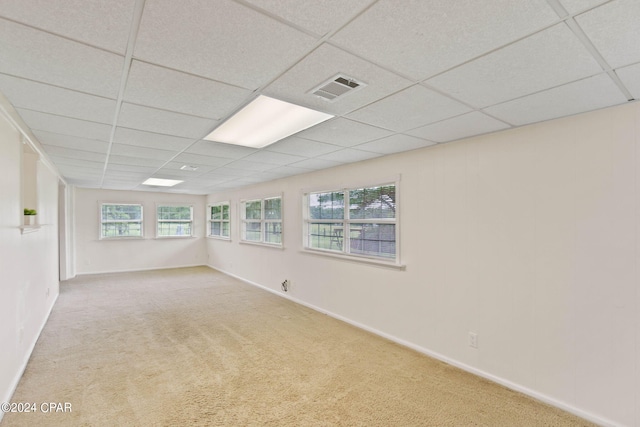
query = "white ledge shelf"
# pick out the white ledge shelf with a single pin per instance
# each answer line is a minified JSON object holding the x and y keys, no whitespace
{"x":24,"y":229}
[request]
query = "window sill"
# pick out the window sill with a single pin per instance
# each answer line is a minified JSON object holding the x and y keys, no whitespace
{"x":173,"y":237}
{"x":356,"y":259}
{"x":265,"y":245}
{"x":224,"y":239}
{"x":25,"y":229}
{"x":116,"y":239}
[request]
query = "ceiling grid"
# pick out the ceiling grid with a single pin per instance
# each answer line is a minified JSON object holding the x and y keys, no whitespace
{"x":118,"y":92}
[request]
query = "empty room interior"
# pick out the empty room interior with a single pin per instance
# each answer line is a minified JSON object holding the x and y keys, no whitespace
{"x":361,"y":212}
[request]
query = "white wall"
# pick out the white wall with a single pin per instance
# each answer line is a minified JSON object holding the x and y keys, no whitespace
{"x":528,"y":237}
{"x":98,"y":256}
{"x":28,"y":262}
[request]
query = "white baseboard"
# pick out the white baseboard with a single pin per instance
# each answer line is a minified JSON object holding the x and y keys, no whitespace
{"x":511,"y":385}
{"x":133,"y":270}
{"x":23,"y":366}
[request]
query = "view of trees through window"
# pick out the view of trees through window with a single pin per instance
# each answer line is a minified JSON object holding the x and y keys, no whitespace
{"x":121,"y":220}
{"x":174,"y":221}
{"x":262,"y":220}
{"x":369,"y":216}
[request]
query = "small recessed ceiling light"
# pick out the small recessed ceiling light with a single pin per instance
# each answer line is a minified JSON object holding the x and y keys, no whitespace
{"x":264,"y":121}
{"x":162,"y":182}
{"x":189,"y":168}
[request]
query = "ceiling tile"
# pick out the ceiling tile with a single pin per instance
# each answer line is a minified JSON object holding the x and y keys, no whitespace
{"x":226,"y":172}
{"x":302,"y":147}
{"x":249,"y":166}
{"x":574,"y":6}
{"x":46,"y":58}
{"x":73,"y":142}
{"x":283,"y":171}
{"x":577,"y":97}
{"x":343,"y":132}
{"x":315,"y":164}
{"x":184,"y":93}
{"x":95,"y":22}
{"x":64,"y":125}
{"x":423,"y":38}
{"x":198,"y":159}
{"x":111,"y":167}
{"x":201,"y":37}
{"x":70,"y":153}
{"x":630,"y":76}
{"x":60,"y":161}
{"x":326,"y":62}
{"x":164,"y":122}
{"x":273,"y":158}
{"x":175,"y":167}
{"x":319,"y":17}
{"x":51,"y":99}
{"x":151,"y":140}
{"x":613,"y":28}
{"x":141,"y":152}
{"x":546,"y":59}
{"x":115,"y":159}
{"x":219,"y":149}
{"x":394,"y":144}
{"x":474,"y":123}
{"x":413,"y":107}
{"x":347,"y":155}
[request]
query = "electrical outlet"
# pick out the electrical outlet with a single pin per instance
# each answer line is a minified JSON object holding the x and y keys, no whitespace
{"x":473,"y":340}
{"x":285,"y":285}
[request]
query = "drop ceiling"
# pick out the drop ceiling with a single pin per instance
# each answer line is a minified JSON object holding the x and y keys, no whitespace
{"x":117,"y":92}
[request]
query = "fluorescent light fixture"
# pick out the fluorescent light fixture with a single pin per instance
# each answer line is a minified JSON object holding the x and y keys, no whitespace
{"x":264,"y":121}
{"x":159,"y":182}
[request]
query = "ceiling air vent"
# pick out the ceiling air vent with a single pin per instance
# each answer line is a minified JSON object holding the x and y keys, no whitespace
{"x":336,"y":87}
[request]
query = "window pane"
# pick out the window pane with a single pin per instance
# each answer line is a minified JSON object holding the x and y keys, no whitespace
{"x":215,"y":228}
{"x":326,"y":236}
{"x":252,"y":231}
{"x":373,"y":202}
{"x":225,"y":229}
{"x":169,"y":228}
{"x":273,"y":208}
{"x":225,"y":212}
{"x":121,"y":229}
{"x":373,"y":239}
{"x":273,"y":232}
{"x":253,"y":209}
{"x":121,"y":212}
{"x":216,"y":212}
{"x":326,"y":205}
{"x":174,"y":212}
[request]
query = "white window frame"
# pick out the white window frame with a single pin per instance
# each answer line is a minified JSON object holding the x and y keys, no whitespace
{"x":101,"y":221}
{"x":221,"y":221}
{"x":189,"y":221}
{"x":342,"y":249}
{"x":262,"y":221}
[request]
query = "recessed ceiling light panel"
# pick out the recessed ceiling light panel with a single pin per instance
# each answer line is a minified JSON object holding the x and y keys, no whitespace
{"x":159,"y":182}
{"x":265,"y":121}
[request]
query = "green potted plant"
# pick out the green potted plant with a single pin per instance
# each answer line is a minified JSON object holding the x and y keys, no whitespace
{"x":30,"y":216}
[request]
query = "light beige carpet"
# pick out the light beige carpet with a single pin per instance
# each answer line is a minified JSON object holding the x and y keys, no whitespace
{"x":195,"y":347}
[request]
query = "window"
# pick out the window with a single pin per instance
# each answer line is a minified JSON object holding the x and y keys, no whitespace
{"x":120,"y":220}
{"x":174,"y":221}
{"x":262,"y":220}
{"x":219,"y":223}
{"x":356,"y":221}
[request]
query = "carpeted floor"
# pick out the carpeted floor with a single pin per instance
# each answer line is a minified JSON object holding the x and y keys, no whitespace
{"x":195,"y":347}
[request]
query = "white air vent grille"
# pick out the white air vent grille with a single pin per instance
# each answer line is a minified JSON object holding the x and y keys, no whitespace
{"x":336,"y":87}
